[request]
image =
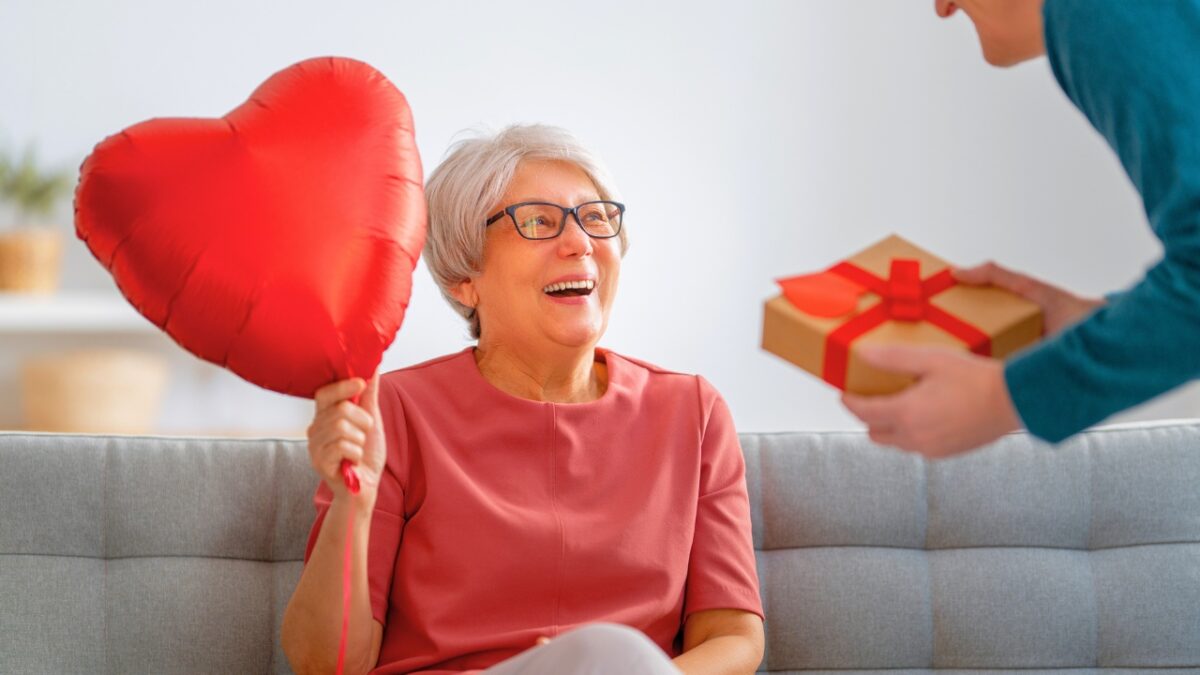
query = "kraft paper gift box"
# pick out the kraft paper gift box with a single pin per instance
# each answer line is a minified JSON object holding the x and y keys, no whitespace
{"x":890,"y":293}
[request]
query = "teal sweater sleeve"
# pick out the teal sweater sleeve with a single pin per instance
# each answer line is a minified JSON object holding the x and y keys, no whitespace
{"x":1133,"y":69}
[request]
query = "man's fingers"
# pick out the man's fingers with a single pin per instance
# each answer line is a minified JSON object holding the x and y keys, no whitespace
{"x":901,"y":359}
{"x":975,"y":276}
{"x":989,"y":273}
{"x":874,"y":411}
{"x":881,"y":414}
{"x":884,"y":437}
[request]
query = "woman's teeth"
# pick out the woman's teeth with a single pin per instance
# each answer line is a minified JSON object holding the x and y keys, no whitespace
{"x":581,"y":287}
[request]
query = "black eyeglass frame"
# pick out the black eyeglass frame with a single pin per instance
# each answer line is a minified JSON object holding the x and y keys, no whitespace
{"x":511,"y":211}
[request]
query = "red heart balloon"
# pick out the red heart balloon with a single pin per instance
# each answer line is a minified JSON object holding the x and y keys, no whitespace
{"x":279,"y":240}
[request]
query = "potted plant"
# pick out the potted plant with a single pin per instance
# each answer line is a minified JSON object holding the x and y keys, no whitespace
{"x":30,"y":250}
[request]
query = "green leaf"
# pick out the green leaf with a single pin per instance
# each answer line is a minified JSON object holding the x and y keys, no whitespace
{"x":31,"y":190}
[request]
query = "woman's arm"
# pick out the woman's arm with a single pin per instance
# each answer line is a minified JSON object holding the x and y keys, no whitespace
{"x":723,"y":631}
{"x":721,"y":641}
{"x":312,"y":623}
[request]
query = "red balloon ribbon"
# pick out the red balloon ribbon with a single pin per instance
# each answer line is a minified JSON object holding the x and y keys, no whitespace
{"x":903,"y":296}
{"x":347,"y":555}
{"x":350,"y":477}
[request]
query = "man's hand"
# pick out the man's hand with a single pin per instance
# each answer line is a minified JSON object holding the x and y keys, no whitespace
{"x":959,"y":401}
{"x":1060,"y":308}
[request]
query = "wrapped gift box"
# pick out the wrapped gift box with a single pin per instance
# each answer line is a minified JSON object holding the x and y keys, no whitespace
{"x":890,"y":293}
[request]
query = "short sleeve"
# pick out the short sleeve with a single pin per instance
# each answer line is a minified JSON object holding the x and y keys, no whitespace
{"x":721,"y":569}
{"x":387,"y":521}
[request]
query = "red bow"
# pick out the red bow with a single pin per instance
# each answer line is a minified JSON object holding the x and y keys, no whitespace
{"x":903,"y":296}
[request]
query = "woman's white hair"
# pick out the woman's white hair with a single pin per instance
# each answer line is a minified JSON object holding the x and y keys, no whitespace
{"x":466,"y":188}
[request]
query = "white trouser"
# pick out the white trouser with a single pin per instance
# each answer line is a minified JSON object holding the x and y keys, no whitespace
{"x":596,"y":649}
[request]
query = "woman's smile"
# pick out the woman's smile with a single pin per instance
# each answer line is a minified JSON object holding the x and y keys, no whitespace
{"x":571,"y":290}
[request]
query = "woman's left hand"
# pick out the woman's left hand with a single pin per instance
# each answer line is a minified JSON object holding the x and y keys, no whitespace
{"x":959,"y":402}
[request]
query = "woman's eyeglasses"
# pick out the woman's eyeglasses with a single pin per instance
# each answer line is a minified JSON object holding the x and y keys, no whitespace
{"x":543,"y":220}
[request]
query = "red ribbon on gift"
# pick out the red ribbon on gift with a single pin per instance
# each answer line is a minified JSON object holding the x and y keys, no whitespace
{"x":903,"y":296}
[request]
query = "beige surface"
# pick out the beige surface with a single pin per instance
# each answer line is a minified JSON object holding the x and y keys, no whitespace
{"x":30,"y":260}
{"x":93,"y":391}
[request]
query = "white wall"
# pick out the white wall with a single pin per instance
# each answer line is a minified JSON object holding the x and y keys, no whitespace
{"x":751,"y":140}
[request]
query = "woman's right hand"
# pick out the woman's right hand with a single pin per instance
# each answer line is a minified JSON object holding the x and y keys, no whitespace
{"x":1060,"y":308}
{"x":343,"y":430}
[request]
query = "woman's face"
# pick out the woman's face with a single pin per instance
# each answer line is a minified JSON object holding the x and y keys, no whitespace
{"x":518,"y":303}
{"x":1010,"y":31}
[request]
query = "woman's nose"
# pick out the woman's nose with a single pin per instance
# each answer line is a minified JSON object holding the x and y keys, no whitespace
{"x":574,"y":241}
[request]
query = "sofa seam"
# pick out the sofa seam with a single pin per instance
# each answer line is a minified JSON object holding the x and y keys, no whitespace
{"x":925,"y":468}
{"x":1117,"y":427}
{"x":150,"y":557}
{"x":760,"y":550}
{"x":1089,"y":453}
{"x":1008,"y":669}
{"x":763,"y":578}
{"x":250,"y":440}
{"x":104,"y":510}
{"x":275,"y":508}
{"x":1180,"y":542}
{"x":1150,"y":425}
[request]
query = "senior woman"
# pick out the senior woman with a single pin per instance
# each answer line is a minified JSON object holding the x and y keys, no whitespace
{"x":534,"y":485}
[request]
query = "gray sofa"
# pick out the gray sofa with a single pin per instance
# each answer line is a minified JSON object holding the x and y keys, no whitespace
{"x":162,"y":555}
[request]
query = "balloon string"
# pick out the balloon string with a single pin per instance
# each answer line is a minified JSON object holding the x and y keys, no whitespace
{"x":349,"y":475}
{"x":341,"y":659}
{"x":351,"y":479}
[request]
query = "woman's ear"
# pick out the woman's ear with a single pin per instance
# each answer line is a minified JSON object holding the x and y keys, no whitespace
{"x":465,"y":293}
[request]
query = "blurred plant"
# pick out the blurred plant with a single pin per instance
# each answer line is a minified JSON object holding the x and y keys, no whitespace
{"x":30,"y":190}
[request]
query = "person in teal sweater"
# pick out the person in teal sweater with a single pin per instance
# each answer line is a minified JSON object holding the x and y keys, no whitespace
{"x":1132,"y":67}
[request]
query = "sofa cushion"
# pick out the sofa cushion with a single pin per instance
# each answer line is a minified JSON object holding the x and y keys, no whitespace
{"x":167,"y":555}
{"x":144,"y":554}
{"x":1020,"y":556}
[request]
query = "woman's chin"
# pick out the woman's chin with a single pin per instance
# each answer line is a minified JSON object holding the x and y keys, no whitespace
{"x":579,"y":333}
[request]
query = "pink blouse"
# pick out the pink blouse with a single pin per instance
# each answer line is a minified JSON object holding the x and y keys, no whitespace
{"x":500,"y":519}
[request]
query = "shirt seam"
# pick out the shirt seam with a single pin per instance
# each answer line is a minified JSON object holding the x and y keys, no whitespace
{"x":407,"y":451}
{"x":728,"y":588}
{"x":740,"y":598}
{"x":702,"y":428}
{"x":432,"y":362}
{"x":557,"y":517}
